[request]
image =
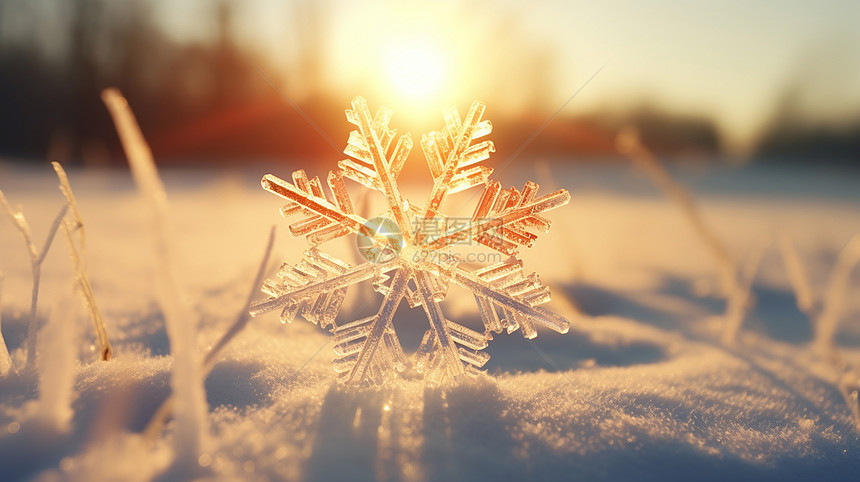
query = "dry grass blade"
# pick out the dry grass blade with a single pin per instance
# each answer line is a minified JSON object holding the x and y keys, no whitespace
{"x":86,"y":291}
{"x":5,"y":361}
{"x":78,"y":253}
{"x":629,"y":144}
{"x":797,"y":277}
{"x":137,"y":150}
{"x":244,"y":315}
{"x":548,"y":179}
{"x":66,"y":189}
{"x":59,"y":346}
{"x":156,"y":423}
{"x":850,"y":391}
{"x":739,"y":301}
{"x":824,"y":317}
{"x":828,"y":322}
{"x":36,"y":258}
{"x":186,"y":381}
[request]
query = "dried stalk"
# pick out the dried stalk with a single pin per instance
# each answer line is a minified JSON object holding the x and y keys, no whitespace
{"x":66,"y":189}
{"x":798,"y":278}
{"x":828,"y":322}
{"x":824,"y":316}
{"x":739,"y":300}
{"x":36,"y":258}
{"x":5,"y":360}
{"x":186,"y":381}
{"x":849,"y":388}
{"x":57,"y":367}
{"x":544,"y":173}
{"x":78,"y":253}
{"x":629,"y":144}
{"x":159,"y":419}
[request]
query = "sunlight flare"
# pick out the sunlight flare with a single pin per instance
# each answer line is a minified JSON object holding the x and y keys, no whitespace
{"x":415,"y":67}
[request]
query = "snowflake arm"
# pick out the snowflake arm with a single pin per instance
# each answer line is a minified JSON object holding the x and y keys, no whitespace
{"x":379,"y":325}
{"x":429,"y":361}
{"x":370,"y":144}
{"x":504,"y":286}
{"x":452,"y":158}
{"x":314,"y":277}
{"x":362,"y":168}
{"x":447,"y":349}
{"x":350,"y":339}
{"x":438,"y":324}
{"x":501,"y":218}
{"x":324,"y":219}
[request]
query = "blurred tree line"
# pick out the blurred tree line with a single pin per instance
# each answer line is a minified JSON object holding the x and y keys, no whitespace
{"x":822,"y":77}
{"x":208,"y":100}
{"x":194,"y":100}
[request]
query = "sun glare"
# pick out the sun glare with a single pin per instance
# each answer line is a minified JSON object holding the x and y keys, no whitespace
{"x":415,"y":67}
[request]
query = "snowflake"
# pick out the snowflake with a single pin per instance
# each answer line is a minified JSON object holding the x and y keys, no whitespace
{"x":404,"y":250}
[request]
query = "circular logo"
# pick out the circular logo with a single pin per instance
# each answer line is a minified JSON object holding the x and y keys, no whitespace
{"x":382,"y":242}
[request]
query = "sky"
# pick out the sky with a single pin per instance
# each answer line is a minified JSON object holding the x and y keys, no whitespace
{"x":732,"y":61}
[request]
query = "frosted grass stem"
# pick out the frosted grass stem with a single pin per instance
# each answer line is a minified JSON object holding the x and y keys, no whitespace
{"x":78,"y":253}
{"x":798,"y":278}
{"x":159,"y":419}
{"x":629,"y":144}
{"x":244,"y":315}
{"x":187,"y":380}
{"x":824,"y":316}
{"x":36,"y":258}
{"x":849,"y":390}
{"x":739,"y":301}
{"x":5,"y":361}
{"x":546,"y":177}
{"x":834,"y":298}
{"x":57,"y":367}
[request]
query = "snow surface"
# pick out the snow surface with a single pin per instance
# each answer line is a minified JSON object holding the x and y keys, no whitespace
{"x":641,"y":388}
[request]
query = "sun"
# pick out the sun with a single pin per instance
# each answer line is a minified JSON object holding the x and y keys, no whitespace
{"x":415,"y":67}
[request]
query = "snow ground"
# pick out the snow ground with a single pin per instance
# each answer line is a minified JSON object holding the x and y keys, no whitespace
{"x":641,"y":387}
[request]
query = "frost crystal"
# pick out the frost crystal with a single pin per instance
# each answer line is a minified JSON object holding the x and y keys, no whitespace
{"x":406,"y":250}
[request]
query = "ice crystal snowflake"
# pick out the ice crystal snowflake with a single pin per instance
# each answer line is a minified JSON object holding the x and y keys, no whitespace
{"x":403,"y":256}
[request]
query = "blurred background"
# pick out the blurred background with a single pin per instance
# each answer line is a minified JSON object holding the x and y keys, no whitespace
{"x":212,"y":82}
